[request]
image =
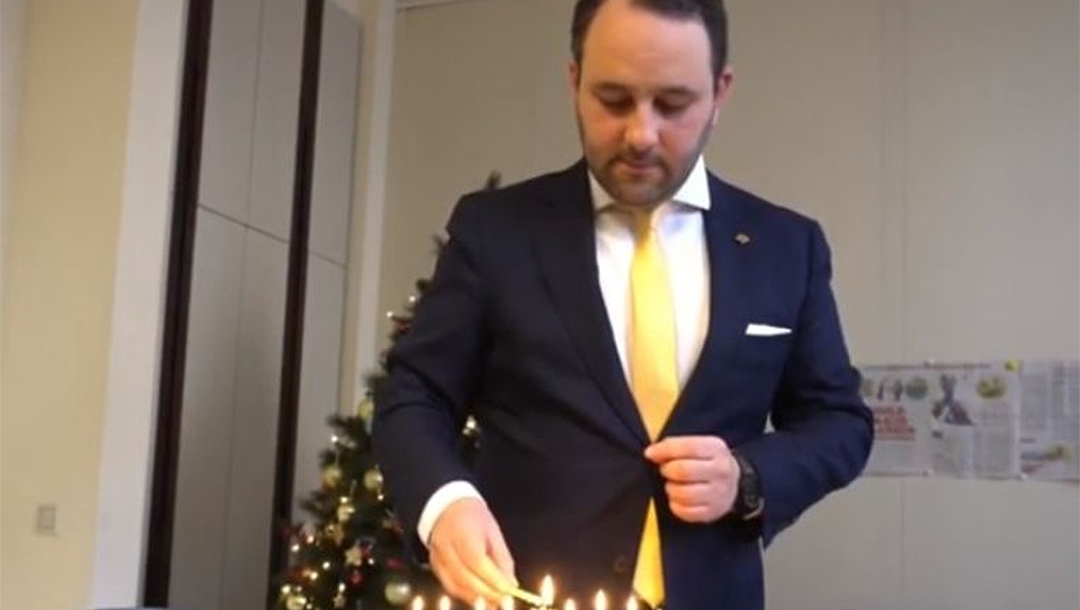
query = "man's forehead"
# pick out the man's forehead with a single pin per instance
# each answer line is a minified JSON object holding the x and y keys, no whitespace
{"x":671,"y":69}
{"x":610,"y":86}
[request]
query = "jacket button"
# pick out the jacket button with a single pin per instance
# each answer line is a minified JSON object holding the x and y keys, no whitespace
{"x":621,"y":564}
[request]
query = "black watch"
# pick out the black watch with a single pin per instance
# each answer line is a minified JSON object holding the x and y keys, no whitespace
{"x":748,"y":501}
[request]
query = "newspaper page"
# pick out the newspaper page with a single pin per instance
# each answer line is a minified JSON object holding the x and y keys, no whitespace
{"x":957,"y":420}
{"x":1050,"y":420}
{"x":899,"y":398}
{"x":975,"y":419}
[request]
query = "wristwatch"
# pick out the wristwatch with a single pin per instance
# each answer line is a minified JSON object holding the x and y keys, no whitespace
{"x":749,"y":502}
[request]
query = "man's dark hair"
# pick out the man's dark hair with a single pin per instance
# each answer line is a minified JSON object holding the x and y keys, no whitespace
{"x":710,"y":12}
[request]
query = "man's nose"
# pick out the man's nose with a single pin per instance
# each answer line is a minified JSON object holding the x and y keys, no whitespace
{"x":642,"y":131}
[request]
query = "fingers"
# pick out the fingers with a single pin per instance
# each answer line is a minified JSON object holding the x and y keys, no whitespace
{"x":469,"y":555}
{"x":694,"y":503}
{"x":700,"y":502}
{"x":458,"y":570}
{"x":686,"y":447}
{"x":465,"y":576}
{"x":504,"y":562}
{"x":692,"y":459}
{"x":688,"y":495}
{"x":697,"y":471}
{"x":694,"y":514}
{"x":455,"y":578}
{"x":496,"y":584}
{"x":700,"y":476}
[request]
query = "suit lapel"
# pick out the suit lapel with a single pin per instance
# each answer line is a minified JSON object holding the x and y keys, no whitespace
{"x":565,"y":244}
{"x":728,"y":277}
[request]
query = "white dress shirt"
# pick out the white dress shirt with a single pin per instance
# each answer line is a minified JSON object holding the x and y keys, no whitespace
{"x":682,"y":239}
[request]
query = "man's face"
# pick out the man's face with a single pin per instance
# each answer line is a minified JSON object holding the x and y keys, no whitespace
{"x":646,"y":100}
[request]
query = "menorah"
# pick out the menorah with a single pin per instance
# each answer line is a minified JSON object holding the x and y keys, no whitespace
{"x":545,"y":600}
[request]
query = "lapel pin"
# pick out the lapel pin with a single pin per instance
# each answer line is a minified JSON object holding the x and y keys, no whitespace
{"x":742,"y":239}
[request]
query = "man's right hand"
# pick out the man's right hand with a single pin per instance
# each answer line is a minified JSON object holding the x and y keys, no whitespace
{"x":469,"y":555}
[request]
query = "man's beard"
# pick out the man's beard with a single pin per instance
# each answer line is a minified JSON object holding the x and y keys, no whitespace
{"x":646,"y":193}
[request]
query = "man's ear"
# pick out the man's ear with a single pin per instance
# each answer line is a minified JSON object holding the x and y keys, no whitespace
{"x":723,"y":87}
{"x":573,"y":75}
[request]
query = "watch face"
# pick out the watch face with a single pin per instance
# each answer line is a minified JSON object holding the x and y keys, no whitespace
{"x":749,"y":497}
{"x":752,"y":498}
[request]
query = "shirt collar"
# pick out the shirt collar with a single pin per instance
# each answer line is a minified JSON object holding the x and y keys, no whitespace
{"x":694,"y":191}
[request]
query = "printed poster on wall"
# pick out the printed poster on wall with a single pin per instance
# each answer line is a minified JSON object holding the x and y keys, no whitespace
{"x":975,"y":417}
{"x":1050,"y":420}
{"x":951,"y":419}
{"x":899,"y":398}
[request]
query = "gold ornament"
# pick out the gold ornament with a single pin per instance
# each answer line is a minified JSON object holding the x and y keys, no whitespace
{"x":331,"y":475}
{"x":366,"y":409}
{"x":373,"y":479}
{"x":354,"y":556}
{"x":334,"y":532}
{"x":345,"y":510}
{"x":295,"y":601}
{"x":398,"y":591}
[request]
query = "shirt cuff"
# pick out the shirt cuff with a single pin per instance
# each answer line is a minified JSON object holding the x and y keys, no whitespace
{"x":439,"y":501}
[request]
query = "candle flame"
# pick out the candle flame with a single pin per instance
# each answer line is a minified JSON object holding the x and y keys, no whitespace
{"x":480,"y":604}
{"x":569,"y":605}
{"x":600,"y":601}
{"x":444,"y":603}
{"x":418,"y":603}
{"x":547,"y":591}
{"x":631,"y":603}
{"x":507,"y":603}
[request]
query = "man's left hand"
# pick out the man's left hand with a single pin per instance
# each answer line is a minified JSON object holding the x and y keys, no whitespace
{"x":700,"y":473}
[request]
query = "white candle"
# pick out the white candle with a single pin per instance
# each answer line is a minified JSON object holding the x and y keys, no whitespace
{"x":600,"y":601}
{"x":547,"y":591}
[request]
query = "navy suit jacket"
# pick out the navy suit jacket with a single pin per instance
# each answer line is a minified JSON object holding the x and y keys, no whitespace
{"x":513,"y":329}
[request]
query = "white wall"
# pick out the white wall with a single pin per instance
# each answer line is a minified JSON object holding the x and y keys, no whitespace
{"x":138,"y":306}
{"x":128,"y":198}
{"x":12,"y":25}
{"x":59,"y":261}
{"x":936,"y":141}
{"x":363,"y":321}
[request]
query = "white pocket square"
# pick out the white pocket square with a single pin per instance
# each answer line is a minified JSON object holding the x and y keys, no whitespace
{"x":766,"y":330}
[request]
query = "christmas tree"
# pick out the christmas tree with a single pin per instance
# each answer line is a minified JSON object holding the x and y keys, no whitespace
{"x":352,"y":553}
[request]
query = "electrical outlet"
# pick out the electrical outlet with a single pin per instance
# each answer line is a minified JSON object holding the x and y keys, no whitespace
{"x":45,"y":520}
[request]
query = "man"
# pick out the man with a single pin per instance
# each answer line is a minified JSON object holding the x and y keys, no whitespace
{"x":622,"y":330}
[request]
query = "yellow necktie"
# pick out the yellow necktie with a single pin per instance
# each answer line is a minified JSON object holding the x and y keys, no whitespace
{"x":654,"y":378}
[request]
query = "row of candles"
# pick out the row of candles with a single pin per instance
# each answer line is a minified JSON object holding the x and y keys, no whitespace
{"x":544,"y":601}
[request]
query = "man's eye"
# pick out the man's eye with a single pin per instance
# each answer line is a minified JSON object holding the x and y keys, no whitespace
{"x":669,"y":108}
{"x":616,"y":103}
